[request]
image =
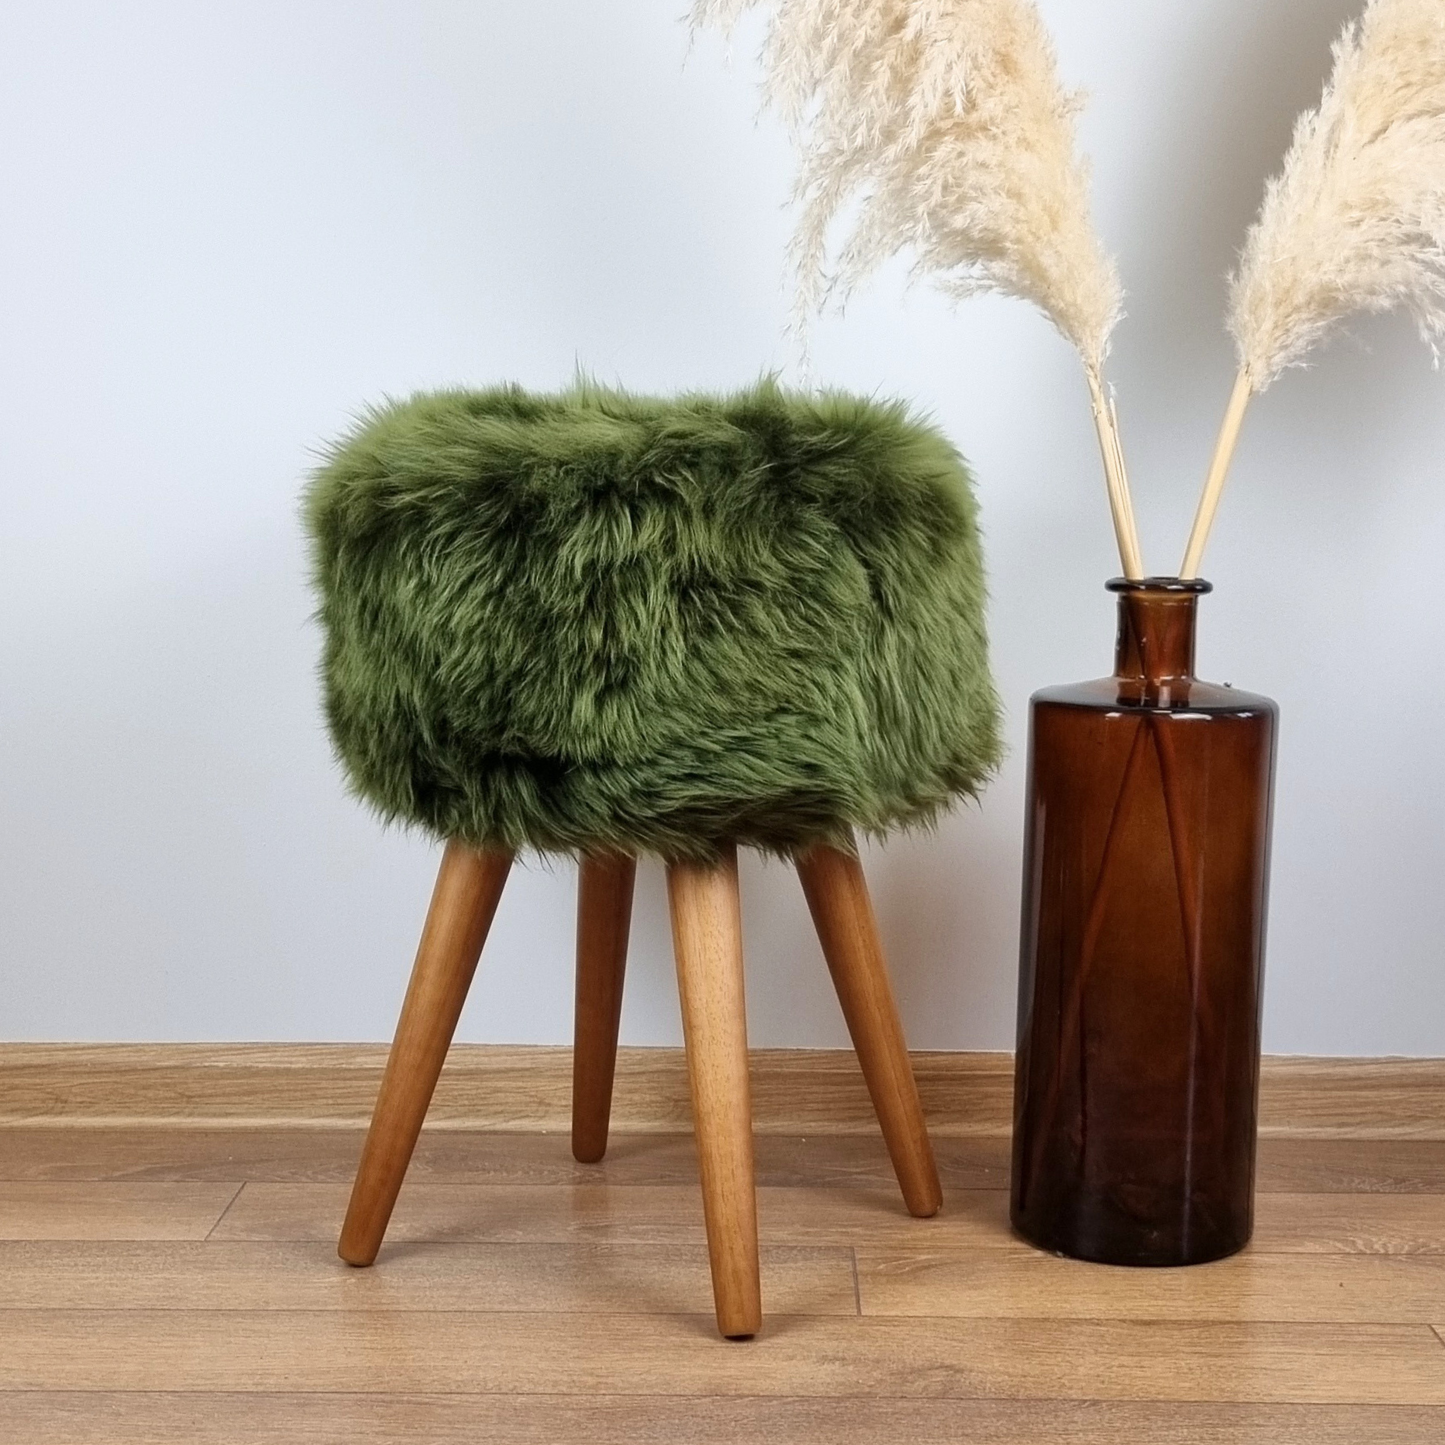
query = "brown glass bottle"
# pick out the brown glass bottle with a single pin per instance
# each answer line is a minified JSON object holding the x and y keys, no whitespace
{"x":1145,"y":876}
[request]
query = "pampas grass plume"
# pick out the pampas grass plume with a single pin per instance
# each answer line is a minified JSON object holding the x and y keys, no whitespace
{"x":1355,"y":221}
{"x":945,"y":122}
{"x":940,"y":129}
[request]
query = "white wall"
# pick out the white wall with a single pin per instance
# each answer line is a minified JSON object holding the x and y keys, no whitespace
{"x":228,"y":225}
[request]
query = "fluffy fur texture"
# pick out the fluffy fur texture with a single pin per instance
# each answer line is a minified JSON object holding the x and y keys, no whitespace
{"x":1356,"y":219}
{"x":598,"y":621}
{"x":945,"y":122}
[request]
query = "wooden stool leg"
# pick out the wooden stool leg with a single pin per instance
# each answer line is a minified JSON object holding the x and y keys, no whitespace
{"x":604,"y":914}
{"x":463,"y":902}
{"x":707,"y":940}
{"x":843,"y":915}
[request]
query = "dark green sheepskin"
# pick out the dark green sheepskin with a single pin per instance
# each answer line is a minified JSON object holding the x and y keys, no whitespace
{"x":600,"y":621}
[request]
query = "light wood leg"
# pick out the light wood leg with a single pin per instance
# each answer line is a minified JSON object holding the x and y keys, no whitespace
{"x":463,"y":903}
{"x":707,"y":940}
{"x":604,"y":915}
{"x":837,"y":896}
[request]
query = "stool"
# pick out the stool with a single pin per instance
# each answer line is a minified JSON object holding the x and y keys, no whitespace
{"x":604,"y":625}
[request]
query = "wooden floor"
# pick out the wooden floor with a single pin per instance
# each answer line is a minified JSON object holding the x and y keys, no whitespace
{"x":169,"y":1285}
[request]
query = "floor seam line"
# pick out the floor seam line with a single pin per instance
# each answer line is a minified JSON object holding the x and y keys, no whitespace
{"x":229,"y":1204}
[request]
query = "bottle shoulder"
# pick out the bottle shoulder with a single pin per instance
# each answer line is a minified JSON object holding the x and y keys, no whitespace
{"x":1194,"y":696}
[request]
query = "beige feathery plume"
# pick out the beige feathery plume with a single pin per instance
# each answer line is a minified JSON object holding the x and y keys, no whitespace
{"x":939,"y":129}
{"x":1355,"y":220}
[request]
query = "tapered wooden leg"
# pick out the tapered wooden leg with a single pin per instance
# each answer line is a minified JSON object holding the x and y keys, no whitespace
{"x":843,"y":915}
{"x":463,"y":902}
{"x":707,"y":939}
{"x":604,"y":914}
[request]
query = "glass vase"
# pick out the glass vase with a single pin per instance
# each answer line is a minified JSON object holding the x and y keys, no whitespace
{"x":1145,"y":878}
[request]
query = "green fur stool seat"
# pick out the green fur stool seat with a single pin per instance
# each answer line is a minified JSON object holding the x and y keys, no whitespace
{"x":606,"y":625}
{"x":597,"y":621}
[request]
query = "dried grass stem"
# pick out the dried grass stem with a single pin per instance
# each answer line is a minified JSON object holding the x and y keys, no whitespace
{"x":1219,"y":463}
{"x":1121,"y":506}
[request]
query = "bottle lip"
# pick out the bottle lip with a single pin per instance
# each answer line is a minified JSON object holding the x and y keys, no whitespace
{"x":1183,"y":586}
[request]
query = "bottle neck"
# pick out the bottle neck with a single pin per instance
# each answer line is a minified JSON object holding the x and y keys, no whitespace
{"x":1154,"y":651}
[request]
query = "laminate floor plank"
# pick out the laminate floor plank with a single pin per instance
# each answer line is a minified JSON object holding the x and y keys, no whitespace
{"x":1025,"y":1283}
{"x":625,"y":1214}
{"x":386,"y":1352}
{"x":450,"y":1156}
{"x":617,"y":1214}
{"x":484,"y":1086}
{"x":617,"y":1279}
{"x":299,"y":1419}
{"x":53,"y":1209}
{"x":1351,"y":1166}
{"x":510,"y":1087}
{"x":168,"y":1285}
{"x":1349,"y":1223}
